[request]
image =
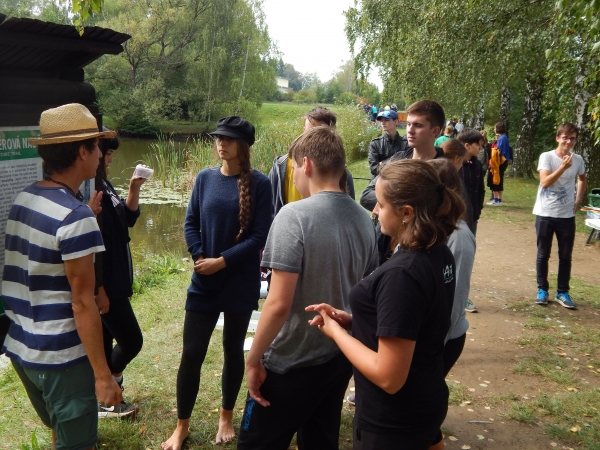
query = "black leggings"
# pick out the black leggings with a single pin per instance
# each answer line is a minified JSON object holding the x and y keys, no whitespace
{"x":197,"y":330}
{"x":120,"y":324}
{"x":452,"y":351}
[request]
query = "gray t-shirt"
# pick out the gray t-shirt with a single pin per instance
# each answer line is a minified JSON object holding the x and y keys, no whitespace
{"x":558,"y":200}
{"x":462,"y":245}
{"x":330,"y":241}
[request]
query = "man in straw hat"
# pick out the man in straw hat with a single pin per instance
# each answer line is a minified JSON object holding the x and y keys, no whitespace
{"x":55,"y":335}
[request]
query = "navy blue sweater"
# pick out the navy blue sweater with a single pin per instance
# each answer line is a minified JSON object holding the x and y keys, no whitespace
{"x":211,"y":225}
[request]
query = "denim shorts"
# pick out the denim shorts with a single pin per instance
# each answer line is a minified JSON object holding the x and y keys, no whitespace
{"x":65,"y":400}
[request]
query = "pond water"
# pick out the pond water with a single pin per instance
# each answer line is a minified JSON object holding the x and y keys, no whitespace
{"x":159,"y":228}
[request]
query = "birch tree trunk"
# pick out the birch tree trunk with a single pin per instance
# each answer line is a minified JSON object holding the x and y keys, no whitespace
{"x":210,"y":80}
{"x":504,"y":106}
{"x":237,"y":107}
{"x":524,"y":152}
{"x":585,"y":141}
{"x":480,"y":117}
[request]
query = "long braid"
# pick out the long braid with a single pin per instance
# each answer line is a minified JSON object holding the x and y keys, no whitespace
{"x":244,"y":183}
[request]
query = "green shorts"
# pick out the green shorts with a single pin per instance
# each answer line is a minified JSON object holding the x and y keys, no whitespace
{"x":65,"y":400}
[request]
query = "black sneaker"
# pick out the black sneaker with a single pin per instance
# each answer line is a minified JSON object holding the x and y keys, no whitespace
{"x":121,"y":410}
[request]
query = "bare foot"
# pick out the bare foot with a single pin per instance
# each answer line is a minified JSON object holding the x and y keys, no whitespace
{"x":226,"y":432}
{"x":182,"y":431}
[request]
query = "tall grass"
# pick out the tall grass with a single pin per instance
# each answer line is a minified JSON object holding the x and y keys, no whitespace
{"x":168,"y":159}
{"x":177,"y":164}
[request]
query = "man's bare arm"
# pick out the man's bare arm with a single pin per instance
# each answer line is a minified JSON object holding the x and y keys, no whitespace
{"x":274,"y":314}
{"x":80,"y":273}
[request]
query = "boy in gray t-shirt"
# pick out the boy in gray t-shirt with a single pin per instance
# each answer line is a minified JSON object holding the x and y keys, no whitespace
{"x":318,"y":248}
{"x":555,"y":208}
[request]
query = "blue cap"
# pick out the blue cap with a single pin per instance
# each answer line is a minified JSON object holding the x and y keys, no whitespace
{"x":388,"y":115}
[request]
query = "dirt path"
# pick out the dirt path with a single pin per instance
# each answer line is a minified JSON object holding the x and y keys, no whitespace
{"x":504,"y":274}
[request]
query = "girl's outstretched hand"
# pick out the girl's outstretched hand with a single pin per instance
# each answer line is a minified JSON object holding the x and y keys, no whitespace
{"x":326,"y":324}
{"x":338,"y":315}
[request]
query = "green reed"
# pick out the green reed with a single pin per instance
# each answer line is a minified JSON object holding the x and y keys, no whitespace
{"x":168,"y":160}
{"x":178,"y":164}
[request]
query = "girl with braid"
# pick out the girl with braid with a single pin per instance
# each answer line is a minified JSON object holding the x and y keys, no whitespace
{"x":226,"y":226}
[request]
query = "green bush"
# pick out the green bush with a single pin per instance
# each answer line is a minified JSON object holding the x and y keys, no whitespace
{"x":356,"y":131}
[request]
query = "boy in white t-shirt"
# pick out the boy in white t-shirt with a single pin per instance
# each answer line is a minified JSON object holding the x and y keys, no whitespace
{"x":555,"y":208}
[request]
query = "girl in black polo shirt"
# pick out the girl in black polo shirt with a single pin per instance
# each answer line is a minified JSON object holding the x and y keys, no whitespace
{"x":401,"y":314}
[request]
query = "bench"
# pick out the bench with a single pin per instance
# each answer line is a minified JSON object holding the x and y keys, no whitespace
{"x":594,"y":224}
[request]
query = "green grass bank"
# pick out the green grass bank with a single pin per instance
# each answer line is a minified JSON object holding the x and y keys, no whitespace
{"x":571,"y":402}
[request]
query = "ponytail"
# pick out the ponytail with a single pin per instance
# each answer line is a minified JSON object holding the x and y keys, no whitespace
{"x":411,"y":182}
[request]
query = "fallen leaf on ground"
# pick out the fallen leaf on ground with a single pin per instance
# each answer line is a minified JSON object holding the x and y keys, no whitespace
{"x":575,"y":429}
{"x":453,"y":438}
{"x":572,"y":389}
{"x":480,"y":437}
{"x":466,"y":447}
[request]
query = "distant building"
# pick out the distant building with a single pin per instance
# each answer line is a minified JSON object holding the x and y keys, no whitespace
{"x":283,"y":84}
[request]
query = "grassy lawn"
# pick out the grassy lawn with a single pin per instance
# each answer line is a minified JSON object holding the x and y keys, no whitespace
{"x":563,"y":355}
{"x":150,"y":380}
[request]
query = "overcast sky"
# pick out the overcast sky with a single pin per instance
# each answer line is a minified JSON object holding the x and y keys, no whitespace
{"x":310,"y":34}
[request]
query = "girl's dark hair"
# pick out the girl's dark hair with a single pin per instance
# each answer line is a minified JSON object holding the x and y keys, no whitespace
{"x":244,"y":185}
{"x":56,"y":158}
{"x":108,"y":143}
{"x":453,"y":148}
{"x":105,"y":145}
{"x":500,"y":128}
{"x":469,"y":136}
{"x":412,"y":182}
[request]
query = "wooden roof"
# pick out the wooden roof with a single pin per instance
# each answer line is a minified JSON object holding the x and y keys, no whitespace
{"x":33,"y":45}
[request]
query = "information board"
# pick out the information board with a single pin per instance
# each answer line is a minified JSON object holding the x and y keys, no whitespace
{"x":20,"y":166}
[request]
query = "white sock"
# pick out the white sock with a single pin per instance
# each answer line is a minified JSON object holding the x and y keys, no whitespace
{"x":118,"y":379}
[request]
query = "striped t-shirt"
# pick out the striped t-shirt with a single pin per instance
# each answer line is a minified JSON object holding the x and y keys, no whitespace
{"x":45,"y":227}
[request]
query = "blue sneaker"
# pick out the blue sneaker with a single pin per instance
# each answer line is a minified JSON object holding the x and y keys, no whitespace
{"x":542,"y":297}
{"x":565,"y":300}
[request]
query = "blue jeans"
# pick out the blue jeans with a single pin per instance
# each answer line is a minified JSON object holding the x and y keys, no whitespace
{"x":546,"y":228}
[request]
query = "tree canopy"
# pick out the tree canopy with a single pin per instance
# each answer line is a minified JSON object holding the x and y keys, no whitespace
{"x":531,"y":63}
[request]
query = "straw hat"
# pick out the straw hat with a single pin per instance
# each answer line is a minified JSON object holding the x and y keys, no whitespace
{"x":68,"y":123}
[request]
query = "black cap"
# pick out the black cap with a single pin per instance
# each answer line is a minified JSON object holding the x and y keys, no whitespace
{"x":235,"y":127}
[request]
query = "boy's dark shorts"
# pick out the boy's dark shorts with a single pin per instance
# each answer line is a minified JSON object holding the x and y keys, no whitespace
{"x":65,"y":400}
